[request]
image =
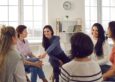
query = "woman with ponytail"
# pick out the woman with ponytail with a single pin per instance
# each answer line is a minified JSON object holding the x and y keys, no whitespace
{"x":11,"y":64}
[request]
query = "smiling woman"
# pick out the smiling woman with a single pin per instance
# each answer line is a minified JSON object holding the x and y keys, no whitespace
{"x":51,"y":44}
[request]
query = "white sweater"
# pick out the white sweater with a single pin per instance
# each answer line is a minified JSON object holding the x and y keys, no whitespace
{"x":106,"y":52}
{"x":79,"y":71}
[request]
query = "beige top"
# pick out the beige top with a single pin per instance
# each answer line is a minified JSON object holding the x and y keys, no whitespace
{"x":13,"y":68}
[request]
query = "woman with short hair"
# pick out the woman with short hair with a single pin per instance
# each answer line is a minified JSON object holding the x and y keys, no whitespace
{"x":81,"y":68}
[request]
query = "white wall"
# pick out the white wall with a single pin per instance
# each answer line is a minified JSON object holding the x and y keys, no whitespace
{"x":56,"y":10}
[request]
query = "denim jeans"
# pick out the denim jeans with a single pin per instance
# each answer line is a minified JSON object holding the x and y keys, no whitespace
{"x":34,"y":70}
{"x":105,"y":68}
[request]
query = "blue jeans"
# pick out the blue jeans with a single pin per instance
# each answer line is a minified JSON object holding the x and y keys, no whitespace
{"x":34,"y":70}
{"x":105,"y":68}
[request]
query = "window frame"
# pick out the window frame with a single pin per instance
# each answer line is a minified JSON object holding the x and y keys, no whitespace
{"x":20,"y":17}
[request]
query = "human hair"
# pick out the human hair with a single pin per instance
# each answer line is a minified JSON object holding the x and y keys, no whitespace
{"x":20,"y":29}
{"x":45,"y":42}
{"x":6,"y":42}
{"x":98,"y":47}
{"x":1,"y":26}
{"x":81,"y":45}
{"x":112,"y":29}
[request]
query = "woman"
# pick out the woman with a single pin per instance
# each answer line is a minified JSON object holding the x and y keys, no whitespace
{"x":101,"y":47}
{"x":52,"y":47}
{"x":81,"y":68}
{"x":32,"y":64}
{"x":110,"y":74}
{"x":11,"y":64}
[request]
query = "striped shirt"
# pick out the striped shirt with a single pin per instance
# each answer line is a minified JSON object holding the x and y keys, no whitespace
{"x":77,"y":71}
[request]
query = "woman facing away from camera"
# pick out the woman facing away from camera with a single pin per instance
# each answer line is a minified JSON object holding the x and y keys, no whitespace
{"x":101,"y":47}
{"x":81,"y":68}
{"x":110,"y":74}
{"x":11,"y":64}
{"x":52,"y":47}
{"x":32,"y":64}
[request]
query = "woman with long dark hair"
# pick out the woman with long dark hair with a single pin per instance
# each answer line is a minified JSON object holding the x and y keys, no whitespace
{"x":52,"y":47}
{"x":101,"y":51}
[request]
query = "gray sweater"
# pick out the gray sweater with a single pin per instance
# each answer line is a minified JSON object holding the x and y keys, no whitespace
{"x":9,"y":72}
{"x":54,"y":48}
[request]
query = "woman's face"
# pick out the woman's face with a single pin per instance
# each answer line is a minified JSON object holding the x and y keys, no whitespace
{"x":109,"y":34}
{"x":24,"y":33}
{"x":95,"y":32}
{"x":47,"y":33}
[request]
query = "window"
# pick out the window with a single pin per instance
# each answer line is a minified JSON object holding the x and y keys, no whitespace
{"x":101,"y":11}
{"x":108,"y":12}
{"x":9,"y":12}
{"x":90,"y":14}
{"x":27,"y":12}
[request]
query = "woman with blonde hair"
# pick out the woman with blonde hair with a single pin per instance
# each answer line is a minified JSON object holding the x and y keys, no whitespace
{"x":11,"y":64}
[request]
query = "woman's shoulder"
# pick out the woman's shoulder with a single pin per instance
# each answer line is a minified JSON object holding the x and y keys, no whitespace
{"x":21,"y":41}
{"x":14,"y":54}
{"x":56,"y":37}
{"x":70,"y":64}
{"x":12,"y":59}
{"x":80,"y":65}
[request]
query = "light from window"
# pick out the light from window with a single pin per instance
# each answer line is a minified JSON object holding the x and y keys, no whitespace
{"x":33,"y":18}
{"x":90,"y":14}
{"x":27,"y":12}
{"x":4,"y":13}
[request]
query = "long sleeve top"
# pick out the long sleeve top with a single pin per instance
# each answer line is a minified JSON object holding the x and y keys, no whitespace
{"x":80,"y":71}
{"x":13,"y":68}
{"x":23,"y":48}
{"x":54,"y":48}
{"x":106,"y":51}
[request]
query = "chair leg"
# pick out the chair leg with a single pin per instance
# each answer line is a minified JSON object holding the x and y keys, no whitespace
{"x":28,"y":80}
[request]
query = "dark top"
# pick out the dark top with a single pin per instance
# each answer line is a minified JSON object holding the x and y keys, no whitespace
{"x":54,"y":49}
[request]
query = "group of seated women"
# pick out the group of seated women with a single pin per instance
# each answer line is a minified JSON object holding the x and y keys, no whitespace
{"x":90,"y":61}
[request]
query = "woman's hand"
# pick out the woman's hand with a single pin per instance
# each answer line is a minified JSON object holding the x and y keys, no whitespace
{"x":42,"y":56}
{"x":38,"y":64}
